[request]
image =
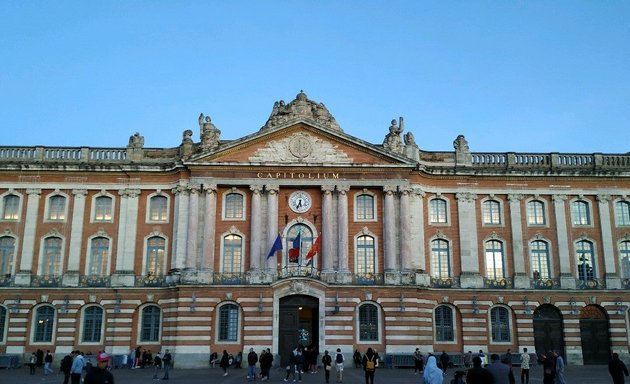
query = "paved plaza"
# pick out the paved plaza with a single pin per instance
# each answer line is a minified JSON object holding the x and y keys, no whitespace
{"x":590,"y":374}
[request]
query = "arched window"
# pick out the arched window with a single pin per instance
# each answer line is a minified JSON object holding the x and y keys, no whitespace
{"x":366,"y":255}
{"x":624,"y":255}
{"x":540,"y":265}
{"x":580,"y":213}
{"x":7,"y":253}
{"x":158,"y":208}
{"x":51,"y":258}
{"x":365,"y":207}
{"x":438,"y":211}
{"x":440,"y":259}
{"x":10,"y":207}
{"x":234,"y":207}
{"x":299,"y":241}
{"x":494,"y":260}
{"x":444,"y":325}
{"x":228,"y":323}
{"x":156,"y":252}
{"x":500,"y":322}
{"x":92,"y":324}
{"x":232,"y":253}
{"x":622,"y":213}
{"x":368,"y":322}
{"x":536,"y":213}
{"x":103,"y":209}
{"x":491,"y":212}
{"x":150,"y":323}
{"x":57,"y":208}
{"x":585,"y":260}
{"x":99,"y":253}
{"x":44,"y":324}
{"x":3,"y":323}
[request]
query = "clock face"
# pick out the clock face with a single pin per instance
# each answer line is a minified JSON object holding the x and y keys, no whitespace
{"x":300,"y":202}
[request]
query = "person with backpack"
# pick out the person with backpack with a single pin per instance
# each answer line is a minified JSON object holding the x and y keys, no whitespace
{"x":369,"y":365}
{"x":64,"y":367}
{"x":339,"y":365}
{"x":166,"y":361}
{"x":327,"y":364}
{"x":157,"y":362}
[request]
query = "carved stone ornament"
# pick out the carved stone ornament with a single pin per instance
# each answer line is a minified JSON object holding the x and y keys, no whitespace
{"x":298,"y":287}
{"x":500,"y":299}
{"x":547,"y":299}
{"x":368,"y":296}
{"x":150,"y":297}
{"x":301,"y":109}
{"x":445,"y":299}
{"x":44,"y":298}
{"x":92,"y":298}
{"x":300,"y":148}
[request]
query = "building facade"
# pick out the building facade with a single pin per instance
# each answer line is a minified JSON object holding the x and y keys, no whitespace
{"x":302,"y":234}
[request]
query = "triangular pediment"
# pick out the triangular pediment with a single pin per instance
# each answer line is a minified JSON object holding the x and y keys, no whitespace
{"x":300,"y":143}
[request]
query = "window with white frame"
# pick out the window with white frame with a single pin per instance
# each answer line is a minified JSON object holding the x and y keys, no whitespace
{"x":585,"y":260}
{"x":3,"y":323}
{"x":298,"y":242}
{"x":491,"y":212}
{"x":150,"y":324}
{"x":540,"y":263}
{"x":51,"y":262}
{"x":156,"y":254}
{"x":366,"y":255}
{"x":10,"y":207}
{"x":92,"y":324}
{"x":57,"y":208}
{"x":99,"y":257}
{"x":228,"y":323}
{"x":438,"y":211}
{"x":624,"y":256}
{"x":500,"y":323}
{"x":234,"y":206}
{"x":7,"y":255}
{"x":158,"y":209}
{"x":494,"y":260}
{"x":232,"y":253}
{"x":580,"y":213}
{"x":44,"y":324}
{"x":103,"y":209}
{"x":368,"y":322}
{"x":444,"y":324}
{"x":622,"y":213}
{"x":440,"y":259}
{"x":365,"y":207}
{"x":536,"y":213}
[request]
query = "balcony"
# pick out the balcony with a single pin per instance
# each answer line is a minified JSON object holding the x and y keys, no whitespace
{"x":6,"y":280}
{"x":591,"y":284}
{"x":299,"y":271}
{"x":229,"y":278}
{"x":46,"y":281}
{"x":94,"y":281}
{"x":503,"y":283}
{"x":151,"y":280}
{"x":545,"y":283}
{"x":368,"y":278}
{"x":445,"y":282}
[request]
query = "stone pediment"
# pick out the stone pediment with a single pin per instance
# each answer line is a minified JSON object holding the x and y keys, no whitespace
{"x":300,"y":147}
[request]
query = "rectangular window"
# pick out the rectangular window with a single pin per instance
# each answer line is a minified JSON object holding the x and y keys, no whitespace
{"x":103,"y":209}
{"x":494,"y":260}
{"x":437,"y":211}
{"x":228,"y":323}
{"x":491,"y":212}
{"x":51,"y":260}
{"x":44,"y":321}
{"x":57,"y":208}
{"x":368,"y":323}
{"x":234,"y":206}
{"x":92,"y":325}
{"x":444,"y":324}
{"x":7,"y":250}
{"x":232,"y":253}
{"x":440,"y":259}
{"x":536,"y":213}
{"x":150,"y":324}
{"x":97,"y":265}
{"x":622,"y":213}
{"x":365,"y":255}
{"x":580,"y":213}
{"x":158,"y":209}
{"x":500,"y":325}
{"x":156,"y":250}
{"x":10,"y":206}
{"x":365,"y":207}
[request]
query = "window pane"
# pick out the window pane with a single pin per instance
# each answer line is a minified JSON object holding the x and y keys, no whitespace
{"x":580,"y":213}
{"x":365,"y":207}
{"x":539,"y":252}
{"x":444,"y":324}
{"x":103,"y":208}
{"x":234,"y":206}
{"x":156,"y":249}
{"x":304,"y":244}
{"x":440,"y":259}
{"x":7,"y":251}
{"x":585,"y":260}
{"x":624,"y":255}
{"x":368,"y":323}
{"x":57,"y":208}
{"x":494,"y":260}
{"x":228,"y":323}
{"x":10,"y":206}
{"x":97,"y":265}
{"x":366,"y":258}
{"x":535,"y":213}
{"x":437,"y":211}
{"x":51,"y":261}
{"x":622,"y":212}
{"x":491,"y":212}
{"x":92,"y":324}
{"x":500,"y":324}
{"x":150,"y":324}
{"x":158,"y":208}
{"x":44,"y":319}
{"x":3,"y":322}
{"x":232,"y":253}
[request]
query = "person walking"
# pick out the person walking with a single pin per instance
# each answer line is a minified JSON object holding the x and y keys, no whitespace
{"x":225,"y":362}
{"x":549,"y":368}
{"x":266,"y":361}
{"x":559,"y":368}
{"x":468,"y":359}
{"x":327,"y":364}
{"x":357,"y":358}
{"x":78,"y":363}
{"x":478,"y":374}
{"x":339,"y":365}
{"x":100,"y":374}
{"x":444,"y":361}
{"x":525,"y":367}
{"x":157,"y":363}
{"x":252,"y":359}
{"x":369,"y":365}
{"x":64,"y":367}
{"x":617,"y":369}
{"x":500,"y":371}
{"x":418,"y":361}
{"x":48,"y":359}
{"x":291,"y":367}
{"x":32,"y":363}
{"x":433,"y":374}
{"x":167,"y":360}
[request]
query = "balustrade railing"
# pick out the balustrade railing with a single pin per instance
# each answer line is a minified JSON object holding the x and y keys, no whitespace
{"x":445,"y":282}
{"x":545,"y":283}
{"x":368,"y":278}
{"x":299,"y":271}
{"x":502,"y":283}
{"x":46,"y":281}
{"x":94,"y":281}
{"x":591,"y":284}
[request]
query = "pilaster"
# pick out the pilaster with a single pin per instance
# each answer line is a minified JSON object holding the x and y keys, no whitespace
{"x":71,"y":276}
{"x":521,"y":278}
{"x":469,"y":250}
{"x":328,"y":239}
{"x":612,"y":277}
{"x":23,"y":276}
{"x":567,"y":280}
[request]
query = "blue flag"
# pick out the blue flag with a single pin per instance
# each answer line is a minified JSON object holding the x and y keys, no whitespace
{"x":277,"y":246}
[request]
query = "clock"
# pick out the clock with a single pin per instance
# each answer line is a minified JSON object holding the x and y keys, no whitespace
{"x":300,"y":202}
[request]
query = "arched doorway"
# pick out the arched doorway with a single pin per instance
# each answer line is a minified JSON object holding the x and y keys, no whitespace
{"x":594,"y":334}
{"x":548,"y":329}
{"x":298,"y":324}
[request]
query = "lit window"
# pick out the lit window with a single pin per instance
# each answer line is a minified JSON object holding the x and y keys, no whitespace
{"x":366,"y":255}
{"x":536,"y":213}
{"x":44,"y":322}
{"x":500,"y":320}
{"x":234,"y":207}
{"x":228,"y":323}
{"x":440,"y":259}
{"x":494,"y":260}
{"x":368,"y":322}
{"x":103,"y":209}
{"x":232,"y":253}
{"x":622,"y":213}
{"x":491,"y":212}
{"x":444,"y":324}
{"x":57,"y":208}
{"x":585,"y":260}
{"x":580,"y":213}
{"x":437,"y":211}
{"x":150,"y":323}
{"x":365,"y":207}
{"x":92,"y":324}
{"x":51,"y":260}
{"x":7,"y":252}
{"x":156,"y":251}
{"x":99,"y":252}
{"x":158,"y":209}
{"x":539,"y":252}
{"x":10,"y":206}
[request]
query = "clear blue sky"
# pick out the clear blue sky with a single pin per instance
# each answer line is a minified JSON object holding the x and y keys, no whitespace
{"x":524,"y":76}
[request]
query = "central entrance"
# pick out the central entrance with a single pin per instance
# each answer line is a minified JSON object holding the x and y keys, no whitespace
{"x":298,"y":324}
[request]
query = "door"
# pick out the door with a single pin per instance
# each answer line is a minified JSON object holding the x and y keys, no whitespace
{"x":594,"y":335}
{"x":548,"y":330}
{"x":298,"y":325}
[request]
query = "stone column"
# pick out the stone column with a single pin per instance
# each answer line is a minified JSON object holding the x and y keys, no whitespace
{"x":126,"y":247}
{"x":328,"y":239}
{"x":521,"y":277}
{"x":272,"y":229}
{"x":342,"y":231}
{"x":71,"y":277}
{"x":469,"y":249}
{"x":567,"y":280}
{"x":206,"y":274}
{"x":390,"y":236}
{"x":23,"y":277}
{"x":406,"y":217}
{"x":418,"y":251}
{"x":193,"y":229}
{"x":180,"y":227}
{"x":256,"y":234}
{"x":612,"y":277}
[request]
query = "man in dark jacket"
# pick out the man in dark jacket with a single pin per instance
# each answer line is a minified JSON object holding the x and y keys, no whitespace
{"x":100,"y":374}
{"x":252,"y":359}
{"x":478,"y":374}
{"x":617,"y":369}
{"x":66,"y":364}
{"x":444,"y":361}
{"x":501,"y":372}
